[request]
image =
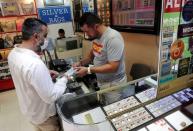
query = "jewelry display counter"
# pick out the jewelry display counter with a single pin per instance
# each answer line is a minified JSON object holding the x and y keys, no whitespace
{"x":88,"y":111}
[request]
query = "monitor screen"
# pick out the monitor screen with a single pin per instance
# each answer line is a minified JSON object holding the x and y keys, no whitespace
{"x":68,"y":43}
{"x":72,"y":44}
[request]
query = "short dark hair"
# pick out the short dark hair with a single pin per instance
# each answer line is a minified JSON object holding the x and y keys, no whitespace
{"x":90,"y":19}
{"x":31,"y":26}
{"x":61,"y":31}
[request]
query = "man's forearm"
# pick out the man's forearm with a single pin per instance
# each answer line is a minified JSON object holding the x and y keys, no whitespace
{"x":107,"y":68}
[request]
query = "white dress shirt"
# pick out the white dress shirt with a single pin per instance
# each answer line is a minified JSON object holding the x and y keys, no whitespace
{"x":34,"y":87}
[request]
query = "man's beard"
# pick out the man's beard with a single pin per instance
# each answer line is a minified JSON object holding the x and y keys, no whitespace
{"x":38,"y":47}
{"x":92,"y":38}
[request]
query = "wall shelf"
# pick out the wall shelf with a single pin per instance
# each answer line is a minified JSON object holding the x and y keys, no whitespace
{"x":12,"y":15}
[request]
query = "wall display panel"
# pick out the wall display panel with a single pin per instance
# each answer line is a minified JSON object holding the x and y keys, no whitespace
{"x":80,"y":7}
{"x":77,"y":10}
{"x":17,"y":7}
{"x":136,"y":15}
{"x":88,"y":6}
{"x":8,"y":25}
{"x":12,"y":15}
{"x":103,"y":11}
{"x":10,"y":8}
{"x":5,"y":75}
{"x":176,"y":46}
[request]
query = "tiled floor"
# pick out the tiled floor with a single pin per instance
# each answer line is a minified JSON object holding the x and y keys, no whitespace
{"x":11,"y":118}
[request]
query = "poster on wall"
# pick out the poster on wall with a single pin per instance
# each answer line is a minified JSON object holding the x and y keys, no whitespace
{"x":8,"y":26}
{"x":183,"y":67}
{"x":165,"y":53}
{"x":55,"y":15}
{"x":28,"y":9}
{"x":17,"y":7}
{"x":166,"y":66}
{"x":185,"y":30}
{"x":10,"y":8}
{"x":185,"y":33}
{"x":88,"y":6}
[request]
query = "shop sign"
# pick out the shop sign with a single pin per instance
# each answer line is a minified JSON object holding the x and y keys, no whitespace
{"x":85,"y":8}
{"x":173,"y":5}
{"x":54,"y":15}
{"x":185,"y":30}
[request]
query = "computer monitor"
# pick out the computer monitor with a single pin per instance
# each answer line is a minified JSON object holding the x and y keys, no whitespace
{"x":69,"y":48}
{"x":72,"y":44}
{"x":69,"y":43}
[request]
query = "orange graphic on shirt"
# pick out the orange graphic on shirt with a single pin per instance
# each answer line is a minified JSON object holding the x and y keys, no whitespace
{"x":97,"y":48}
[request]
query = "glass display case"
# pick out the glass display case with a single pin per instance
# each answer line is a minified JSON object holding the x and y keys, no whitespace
{"x":82,"y":113}
{"x":142,"y":111}
{"x":91,"y":111}
{"x":164,"y":105}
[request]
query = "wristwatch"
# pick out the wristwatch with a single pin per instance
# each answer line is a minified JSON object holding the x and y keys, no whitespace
{"x":88,"y":70}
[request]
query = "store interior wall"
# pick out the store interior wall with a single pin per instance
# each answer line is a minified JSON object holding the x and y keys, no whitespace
{"x":139,"y":48}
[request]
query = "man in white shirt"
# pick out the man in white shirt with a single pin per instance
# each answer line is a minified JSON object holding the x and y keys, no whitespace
{"x":34,"y":87}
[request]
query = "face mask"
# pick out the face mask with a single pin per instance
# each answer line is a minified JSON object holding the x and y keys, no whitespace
{"x":44,"y":44}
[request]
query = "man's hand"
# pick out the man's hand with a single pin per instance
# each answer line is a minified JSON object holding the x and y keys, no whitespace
{"x":54,"y":74}
{"x":81,"y":71}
